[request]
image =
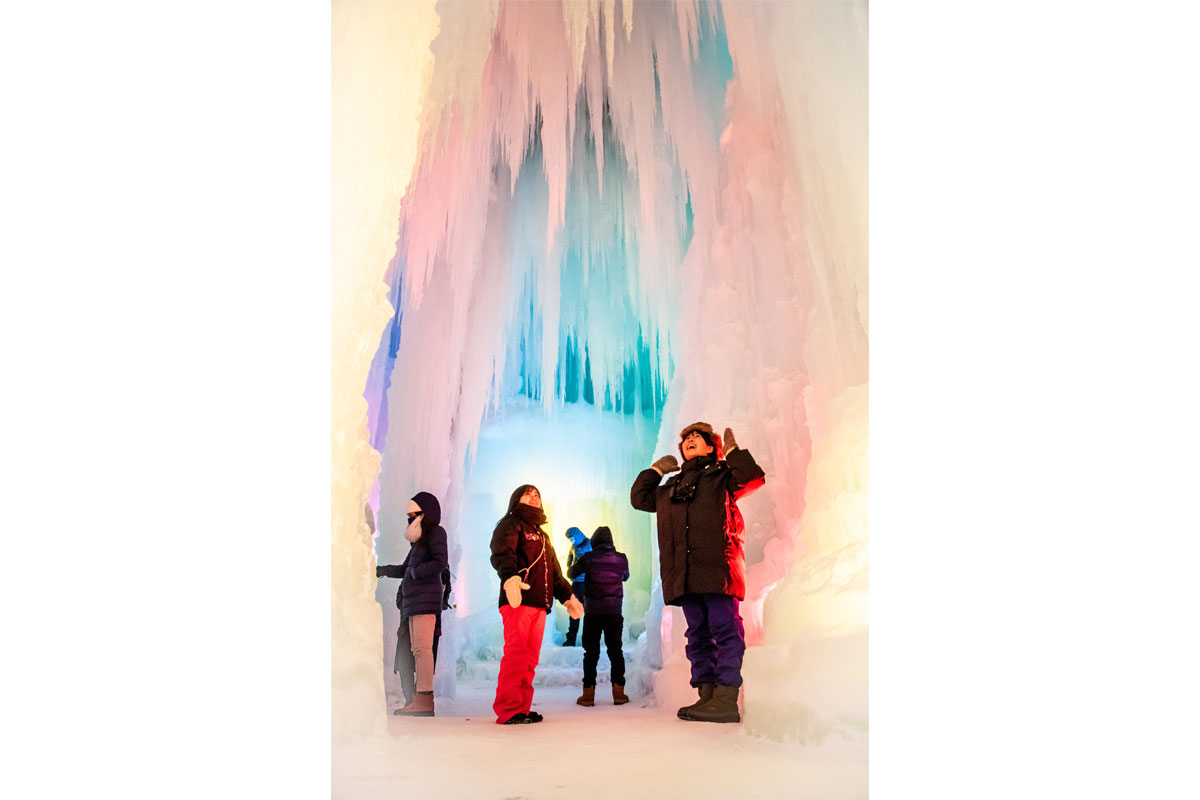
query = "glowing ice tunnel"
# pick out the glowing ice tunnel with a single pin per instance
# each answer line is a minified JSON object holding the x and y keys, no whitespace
{"x":622,"y":218}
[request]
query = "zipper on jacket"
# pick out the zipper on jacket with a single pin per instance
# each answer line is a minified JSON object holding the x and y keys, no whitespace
{"x":549,"y":602}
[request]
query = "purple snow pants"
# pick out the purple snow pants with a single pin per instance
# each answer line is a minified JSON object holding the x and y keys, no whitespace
{"x":716,"y":639}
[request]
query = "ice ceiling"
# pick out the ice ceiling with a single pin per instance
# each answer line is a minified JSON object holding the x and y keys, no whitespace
{"x":619,"y":218}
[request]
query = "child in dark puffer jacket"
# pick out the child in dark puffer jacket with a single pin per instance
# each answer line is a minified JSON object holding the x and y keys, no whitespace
{"x":606,"y":570}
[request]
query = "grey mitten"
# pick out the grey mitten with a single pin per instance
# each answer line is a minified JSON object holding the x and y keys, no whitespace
{"x":729,"y":444}
{"x":665,"y":465}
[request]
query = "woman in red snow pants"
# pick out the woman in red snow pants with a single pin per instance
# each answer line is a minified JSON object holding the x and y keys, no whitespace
{"x":530,"y":581}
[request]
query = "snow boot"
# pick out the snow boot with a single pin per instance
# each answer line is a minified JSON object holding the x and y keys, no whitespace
{"x":706,"y":693}
{"x":722,"y":707}
{"x":619,"y":696}
{"x":588,"y":698}
{"x":421,"y":706}
{"x":534,"y":716}
{"x":520,"y":718}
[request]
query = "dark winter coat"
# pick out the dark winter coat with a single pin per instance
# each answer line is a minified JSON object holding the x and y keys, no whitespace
{"x":521,"y":547}
{"x":606,"y":570}
{"x":700,"y":539}
{"x":421,"y":572}
{"x":579,"y":545}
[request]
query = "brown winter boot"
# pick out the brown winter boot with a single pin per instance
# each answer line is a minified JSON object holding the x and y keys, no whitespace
{"x":421,"y":706}
{"x":722,"y":707}
{"x":706,"y":693}
{"x":619,"y":696}
{"x":588,"y":698}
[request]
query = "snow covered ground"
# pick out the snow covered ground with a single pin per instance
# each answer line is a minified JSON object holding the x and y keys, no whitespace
{"x":635,"y":750}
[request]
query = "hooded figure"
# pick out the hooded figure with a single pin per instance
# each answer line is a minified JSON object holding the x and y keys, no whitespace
{"x":421,"y":591}
{"x":579,"y":545}
{"x":702,"y":563}
{"x":606,"y":571}
{"x":420,"y":601}
{"x":530,"y":582}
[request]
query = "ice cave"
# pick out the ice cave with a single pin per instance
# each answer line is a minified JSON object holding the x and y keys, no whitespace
{"x":562,"y":231}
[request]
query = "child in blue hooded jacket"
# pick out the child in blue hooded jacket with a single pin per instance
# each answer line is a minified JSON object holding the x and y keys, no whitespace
{"x":580,"y":544}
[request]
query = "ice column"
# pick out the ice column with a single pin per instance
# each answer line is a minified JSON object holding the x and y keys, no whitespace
{"x":380,"y":50}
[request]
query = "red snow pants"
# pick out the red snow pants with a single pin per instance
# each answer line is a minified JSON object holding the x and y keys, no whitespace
{"x":523,"y":628}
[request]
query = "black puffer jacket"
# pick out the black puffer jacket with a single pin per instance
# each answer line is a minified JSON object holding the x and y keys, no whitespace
{"x":605,"y":569}
{"x":521,"y":547}
{"x":700,"y":539}
{"x":421,"y":571}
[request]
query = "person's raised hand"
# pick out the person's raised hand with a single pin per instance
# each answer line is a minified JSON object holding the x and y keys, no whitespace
{"x":665,"y":465}
{"x":728,"y":443}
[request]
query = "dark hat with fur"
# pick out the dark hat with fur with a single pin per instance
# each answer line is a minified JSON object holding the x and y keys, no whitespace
{"x":706,"y":432}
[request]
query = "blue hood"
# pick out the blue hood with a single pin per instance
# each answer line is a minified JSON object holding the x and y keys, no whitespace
{"x":578,"y":540}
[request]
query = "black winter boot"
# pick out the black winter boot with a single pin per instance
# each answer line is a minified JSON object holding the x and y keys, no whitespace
{"x":706,"y":693}
{"x":722,"y":707}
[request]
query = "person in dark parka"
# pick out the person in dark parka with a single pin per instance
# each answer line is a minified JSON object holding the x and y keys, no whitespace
{"x":530,"y":581}
{"x":579,"y":545}
{"x":703,"y":566}
{"x":403,"y":663}
{"x":421,"y":598}
{"x":606,"y":571}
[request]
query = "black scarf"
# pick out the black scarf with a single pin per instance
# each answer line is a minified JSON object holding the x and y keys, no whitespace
{"x":536,"y":517}
{"x":684,"y":488}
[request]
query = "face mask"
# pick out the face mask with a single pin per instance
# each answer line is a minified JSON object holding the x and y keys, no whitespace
{"x":413,"y":531}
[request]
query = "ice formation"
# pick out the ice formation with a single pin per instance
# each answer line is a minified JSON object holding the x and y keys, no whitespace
{"x":374,"y":139}
{"x":619,"y":218}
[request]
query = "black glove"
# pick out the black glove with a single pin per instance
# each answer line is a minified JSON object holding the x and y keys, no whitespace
{"x":728,"y":443}
{"x":378,"y":572}
{"x":665,"y":465}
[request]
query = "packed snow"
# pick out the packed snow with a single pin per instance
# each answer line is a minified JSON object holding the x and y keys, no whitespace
{"x":634,"y":750}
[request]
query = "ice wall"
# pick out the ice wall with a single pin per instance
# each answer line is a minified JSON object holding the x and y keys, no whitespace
{"x":540,"y":236}
{"x":380,"y":50}
{"x":652,"y":210}
{"x":808,"y":61}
